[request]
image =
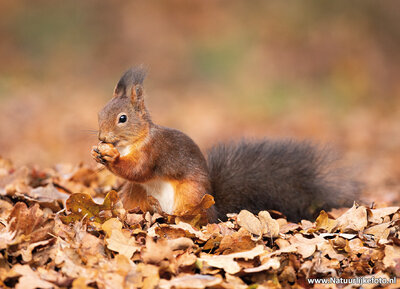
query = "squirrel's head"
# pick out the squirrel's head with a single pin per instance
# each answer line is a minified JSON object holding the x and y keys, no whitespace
{"x":125,"y":118}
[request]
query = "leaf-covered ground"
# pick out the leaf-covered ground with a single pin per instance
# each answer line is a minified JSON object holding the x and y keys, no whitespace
{"x":65,"y":228}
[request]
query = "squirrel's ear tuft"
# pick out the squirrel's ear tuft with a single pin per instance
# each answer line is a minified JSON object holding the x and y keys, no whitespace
{"x":133,"y":80}
{"x":137,"y":91}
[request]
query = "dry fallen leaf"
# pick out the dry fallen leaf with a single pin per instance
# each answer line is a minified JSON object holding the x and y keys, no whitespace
{"x":196,"y":215}
{"x":156,"y":252}
{"x":26,"y":254}
{"x":324,"y":222}
{"x":270,"y":227}
{"x":188,"y":228}
{"x":91,"y":249}
{"x":196,"y":281}
{"x":180,"y":243}
{"x":305,"y":247}
{"x":392,"y":256}
{"x":327,"y":249}
{"x":48,"y":196}
{"x":118,"y":241}
{"x":377,"y":215}
{"x":227,"y":262}
{"x":270,"y":263}
{"x":102,"y":246}
{"x":32,"y":222}
{"x":355,"y":246}
{"x":380,"y":231}
{"x":355,"y":219}
{"x":236,"y":242}
{"x":30,"y":279}
{"x":82,"y":206}
{"x":250,"y":222}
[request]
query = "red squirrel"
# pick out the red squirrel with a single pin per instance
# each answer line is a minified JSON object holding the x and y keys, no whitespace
{"x":164,"y":164}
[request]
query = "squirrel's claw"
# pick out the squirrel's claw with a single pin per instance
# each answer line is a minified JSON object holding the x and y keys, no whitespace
{"x":96,"y":155}
{"x":102,"y":161}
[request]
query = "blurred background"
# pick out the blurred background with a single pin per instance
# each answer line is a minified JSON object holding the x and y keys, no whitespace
{"x":217,"y":70}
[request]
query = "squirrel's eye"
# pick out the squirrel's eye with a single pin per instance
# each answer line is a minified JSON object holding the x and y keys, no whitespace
{"x":123,"y":118}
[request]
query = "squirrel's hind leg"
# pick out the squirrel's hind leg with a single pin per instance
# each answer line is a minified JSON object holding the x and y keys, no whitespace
{"x":134,"y":196}
{"x":188,"y":199}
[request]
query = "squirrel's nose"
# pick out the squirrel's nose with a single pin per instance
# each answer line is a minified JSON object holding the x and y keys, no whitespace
{"x":102,"y":137}
{"x":106,"y":137}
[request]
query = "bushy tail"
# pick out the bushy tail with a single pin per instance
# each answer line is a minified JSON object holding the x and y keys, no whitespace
{"x":295,"y":178}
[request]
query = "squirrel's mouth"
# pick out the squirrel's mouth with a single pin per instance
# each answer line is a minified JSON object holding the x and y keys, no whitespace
{"x":115,"y":143}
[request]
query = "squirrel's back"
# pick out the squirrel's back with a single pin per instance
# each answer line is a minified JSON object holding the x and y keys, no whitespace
{"x":295,"y":178}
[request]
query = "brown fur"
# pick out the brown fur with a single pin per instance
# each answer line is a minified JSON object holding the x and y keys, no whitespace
{"x":295,"y":178}
{"x":156,"y":153}
{"x":134,"y":196}
{"x":157,"y":157}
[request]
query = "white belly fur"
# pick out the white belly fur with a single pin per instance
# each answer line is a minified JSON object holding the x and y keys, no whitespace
{"x":123,"y":151}
{"x":164,"y":192}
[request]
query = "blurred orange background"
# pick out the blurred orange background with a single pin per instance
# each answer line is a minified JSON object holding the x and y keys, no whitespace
{"x":217,"y":70}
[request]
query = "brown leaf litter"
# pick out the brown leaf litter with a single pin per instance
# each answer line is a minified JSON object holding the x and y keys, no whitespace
{"x":65,"y":228}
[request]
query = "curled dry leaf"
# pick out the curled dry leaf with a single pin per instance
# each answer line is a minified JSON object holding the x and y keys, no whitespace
{"x":5,"y":209}
{"x":169,"y":232}
{"x":134,"y":219}
{"x":186,"y":260}
{"x":306,"y":225}
{"x":250,"y":222}
{"x":149,"y":274}
{"x":270,"y":227}
{"x":196,"y":215}
{"x":24,"y":220}
{"x":326,"y":249}
{"x":6,"y":237}
{"x":288,"y":227}
{"x":188,"y":228}
{"x":48,"y":196}
{"x":223,"y":262}
{"x":355,"y":219}
{"x":324,"y":222}
{"x":156,"y":252}
{"x":377,"y":215}
{"x":180,"y":243}
{"x":26,"y":254}
{"x":236,"y":242}
{"x":32,"y":222}
{"x":356,"y":246}
{"x":326,"y":266}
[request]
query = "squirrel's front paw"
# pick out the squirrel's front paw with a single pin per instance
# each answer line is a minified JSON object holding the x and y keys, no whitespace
{"x":105,"y":153}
